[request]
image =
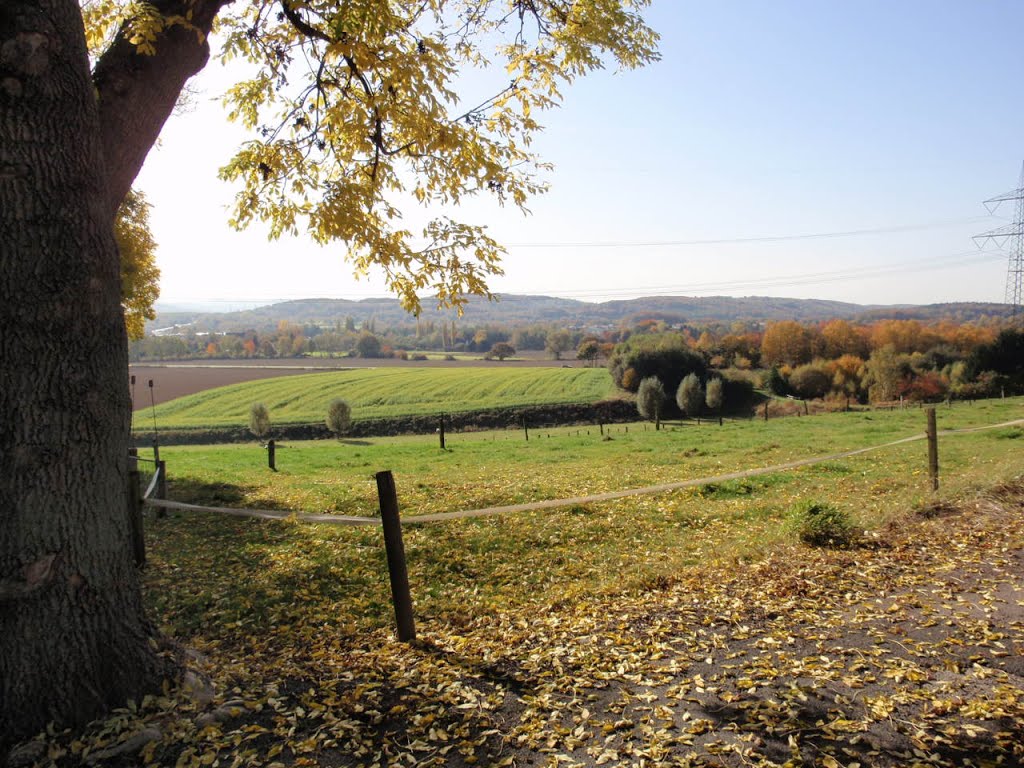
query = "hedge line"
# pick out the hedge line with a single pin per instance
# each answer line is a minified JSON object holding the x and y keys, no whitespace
{"x":539,"y":416}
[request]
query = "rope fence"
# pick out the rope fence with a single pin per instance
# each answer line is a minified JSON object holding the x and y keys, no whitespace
{"x":353,"y":520}
{"x":266,"y":514}
{"x":392,"y":524}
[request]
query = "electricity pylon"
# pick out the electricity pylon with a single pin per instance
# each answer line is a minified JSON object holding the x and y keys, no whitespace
{"x":1011,"y":235}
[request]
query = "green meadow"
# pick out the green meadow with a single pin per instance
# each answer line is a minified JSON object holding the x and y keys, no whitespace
{"x":385,"y":393}
{"x":210,"y":573}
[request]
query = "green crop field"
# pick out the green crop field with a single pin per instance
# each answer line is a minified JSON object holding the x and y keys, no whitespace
{"x":385,"y":393}
{"x":265,"y":571}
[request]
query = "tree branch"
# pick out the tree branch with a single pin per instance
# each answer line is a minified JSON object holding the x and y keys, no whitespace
{"x":302,"y":26}
{"x":137,"y":92}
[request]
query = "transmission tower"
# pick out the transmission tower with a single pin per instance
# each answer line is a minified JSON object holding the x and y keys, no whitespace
{"x":1011,"y":235}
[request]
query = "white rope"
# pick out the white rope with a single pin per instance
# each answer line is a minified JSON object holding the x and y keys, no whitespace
{"x":266,"y":514}
{"x":152,"y":484}
{"x":276,"y":514}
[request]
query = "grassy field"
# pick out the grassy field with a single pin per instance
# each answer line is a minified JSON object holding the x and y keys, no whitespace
{"x":384,"y":393}
{"x":688,"y":628}
{"x":261,"y":575}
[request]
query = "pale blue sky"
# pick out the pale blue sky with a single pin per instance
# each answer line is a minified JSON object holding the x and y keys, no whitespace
{"x":762,"y":120}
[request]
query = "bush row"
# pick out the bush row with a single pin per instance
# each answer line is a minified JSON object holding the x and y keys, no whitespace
{"x":537,"y":416}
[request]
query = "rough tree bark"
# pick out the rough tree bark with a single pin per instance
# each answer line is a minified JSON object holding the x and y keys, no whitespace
{"x":74,"y":640}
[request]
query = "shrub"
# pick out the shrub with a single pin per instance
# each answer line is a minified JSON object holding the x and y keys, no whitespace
{"x":810,"y":381}
{"x":630,"y":380}
{"x":501,"y":350}
{"x":715,"y":394}
{"x":589,"y":350}
{"x":368,"y":345}
{"x":690,"y":395}
{"x":1003,"y":355}
{"x":666,"y":357}
{"x":988,"y":384}
{"x":738,"y":390}
{"x":259,"y":420}
{"x":339,"y":416}
{"x":925,"y":387}
{"x":776,"y":384}
{"x":821,"y":525}
{"x":650,"y":399}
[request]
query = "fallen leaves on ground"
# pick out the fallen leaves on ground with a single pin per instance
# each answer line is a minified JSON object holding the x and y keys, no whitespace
{"x":905,"y":650}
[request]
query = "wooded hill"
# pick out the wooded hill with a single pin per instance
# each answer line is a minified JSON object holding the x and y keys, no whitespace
{"x":516,"y":309}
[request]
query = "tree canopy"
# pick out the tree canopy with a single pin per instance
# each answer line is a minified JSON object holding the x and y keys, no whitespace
{"x":666,"y":357}
{"x":690,"y":395}
{"x":501,"y":350}
{"x":361,"y":109}
{"x":650,"y":398}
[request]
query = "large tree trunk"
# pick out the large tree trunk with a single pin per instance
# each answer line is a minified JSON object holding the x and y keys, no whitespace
{"x":73,"y":637}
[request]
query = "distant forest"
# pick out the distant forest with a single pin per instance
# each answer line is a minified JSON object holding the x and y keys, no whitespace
{"x":811,"y":352}
{"x":516,"y":310}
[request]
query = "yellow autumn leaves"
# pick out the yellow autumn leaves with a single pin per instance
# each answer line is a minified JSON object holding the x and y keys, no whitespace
{"x":139,"y":274}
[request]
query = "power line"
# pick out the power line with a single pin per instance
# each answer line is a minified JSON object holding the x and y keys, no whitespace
{"x":757,"y":239}
{"x":775,"y":281}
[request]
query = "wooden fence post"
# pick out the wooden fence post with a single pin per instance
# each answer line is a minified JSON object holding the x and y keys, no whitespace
{"x":271,"y":455}
{"x":440,"y":431}
{"x":395,"y":549}
{"x":766,"y":410}
{"x":135,"y":512}
{"x":526,"y":429}
{"x":933,"y":449}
